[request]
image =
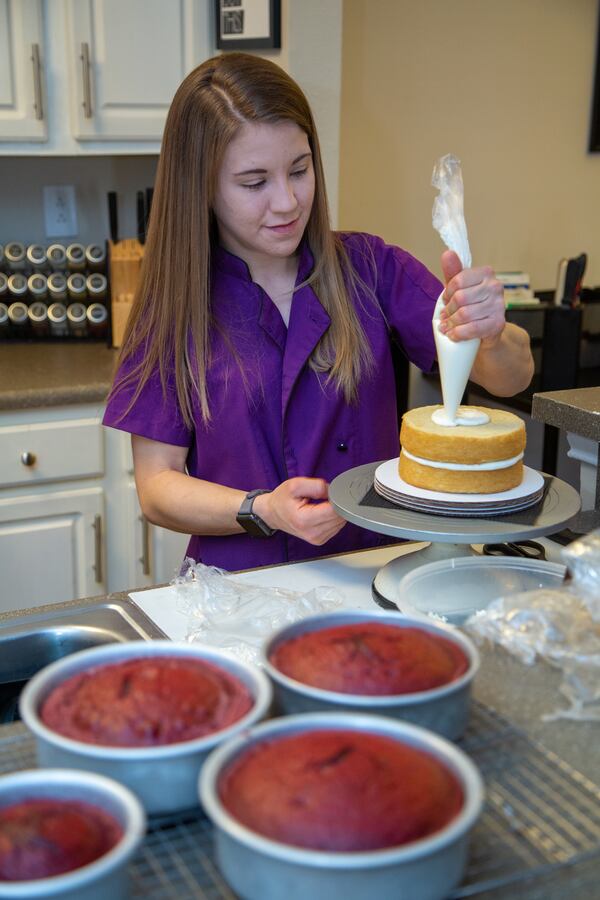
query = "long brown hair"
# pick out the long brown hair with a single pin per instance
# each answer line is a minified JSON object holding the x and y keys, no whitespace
{"x":171,"y":318}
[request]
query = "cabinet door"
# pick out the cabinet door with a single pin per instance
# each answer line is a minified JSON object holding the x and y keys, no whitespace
{"x":157,"y":553}
{"x":127,"y":58}
{"x":51,"y":548}
{"x":22,"y":100}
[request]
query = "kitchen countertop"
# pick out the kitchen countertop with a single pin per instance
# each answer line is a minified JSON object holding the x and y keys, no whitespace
{"x":576,"y":410}
{"x":523,"y":694}
{"x":40,"y":374}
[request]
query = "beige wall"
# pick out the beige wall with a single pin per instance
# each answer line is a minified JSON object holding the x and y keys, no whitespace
{"x":506,"y":86}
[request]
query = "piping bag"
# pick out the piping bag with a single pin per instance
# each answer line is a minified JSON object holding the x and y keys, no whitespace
{"x":455,"y":359}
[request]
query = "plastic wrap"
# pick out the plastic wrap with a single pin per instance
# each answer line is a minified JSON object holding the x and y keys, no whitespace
{"x":448,"y":207}
{"x":561,"y":626}
{"x":237,"y":617}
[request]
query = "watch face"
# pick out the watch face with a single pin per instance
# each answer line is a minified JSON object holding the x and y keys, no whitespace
{"x":250,"y":521}
{"x":255,"y":526}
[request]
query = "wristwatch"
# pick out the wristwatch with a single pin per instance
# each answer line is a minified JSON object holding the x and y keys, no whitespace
{"x":251,"y":521}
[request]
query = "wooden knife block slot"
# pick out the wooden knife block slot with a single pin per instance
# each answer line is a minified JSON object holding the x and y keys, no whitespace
{"x":125,"y":265}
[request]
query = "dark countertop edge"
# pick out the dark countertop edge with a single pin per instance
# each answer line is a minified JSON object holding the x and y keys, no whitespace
{"x":38,"y":612}
{"x":563,"y":409}
{"x":53,"y":396}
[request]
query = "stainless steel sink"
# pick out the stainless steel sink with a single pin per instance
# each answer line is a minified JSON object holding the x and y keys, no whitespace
{"x":30,"y":641}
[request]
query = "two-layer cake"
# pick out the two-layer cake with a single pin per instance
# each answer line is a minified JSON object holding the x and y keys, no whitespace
{"x":480,"y":458}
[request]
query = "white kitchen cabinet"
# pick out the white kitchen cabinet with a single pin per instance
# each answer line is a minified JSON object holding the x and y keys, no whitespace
{"x":22,"y":96}
{"x":52,"y":506}
{"x":51,"y":547}
{"x":144,"y":554}
{"x":70,"y":521}
{"x":108,"y":70}
{"x":127,"y":58}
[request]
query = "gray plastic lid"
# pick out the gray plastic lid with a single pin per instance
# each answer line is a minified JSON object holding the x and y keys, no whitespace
{"x":38,"y":312}
{"x":56,"y":254}
{"x":76,"y":283}
{"x":37,"y":284}
{"x":95,"y":253}
{"x":17,"y":284}
{"x":76,"y":253}
{"x":36,"y":254}
{"x":76,"y":313}
{"x":97,"y":283}
{"x":17,"y":313}
{"x":14,"y":251}
{"x":57,"y":313}
{"x":97,"y":313}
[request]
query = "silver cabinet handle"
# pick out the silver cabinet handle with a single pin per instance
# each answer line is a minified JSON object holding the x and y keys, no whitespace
{"x":28,"y":458}
{"x":97,"y":526}
{"x":87,"y":86}
{"x":145,"y":557}
{"x":37,"y":81}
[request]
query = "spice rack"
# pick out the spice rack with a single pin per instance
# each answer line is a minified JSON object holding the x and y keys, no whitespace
{"x":54,"y":293}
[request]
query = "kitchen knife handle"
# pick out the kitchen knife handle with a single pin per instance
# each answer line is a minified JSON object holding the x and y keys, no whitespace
{"x":112,"y":216}
{"x":141,"y":217}
{"x":145,"y":557}
{"x":87,"y":87}
{"x":37,"y":81}
{"x":97,"y":526}
{"x":149,"y":195}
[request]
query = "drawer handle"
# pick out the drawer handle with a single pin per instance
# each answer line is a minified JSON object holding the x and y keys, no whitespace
{"x":97,"y":526}
{"x":87,"y":87}
{"x":28,"y":458}
{"x":37,"y":81}
{"x":145,"y":557}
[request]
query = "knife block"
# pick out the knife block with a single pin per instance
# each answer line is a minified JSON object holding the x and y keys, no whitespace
{"x":125,"y":265}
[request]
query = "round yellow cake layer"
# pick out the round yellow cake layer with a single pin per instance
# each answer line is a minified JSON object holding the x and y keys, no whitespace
{"x":458,"y":482}
{"x":503,"y":437}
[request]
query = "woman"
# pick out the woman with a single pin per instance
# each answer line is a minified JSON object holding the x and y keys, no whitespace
{"x":256,"y":364}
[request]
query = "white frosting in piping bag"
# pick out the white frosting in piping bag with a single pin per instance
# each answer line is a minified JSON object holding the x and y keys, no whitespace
{"x":455,"y":359}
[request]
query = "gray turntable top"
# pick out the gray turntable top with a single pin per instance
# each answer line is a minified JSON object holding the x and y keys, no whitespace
{"x":354,"y":498}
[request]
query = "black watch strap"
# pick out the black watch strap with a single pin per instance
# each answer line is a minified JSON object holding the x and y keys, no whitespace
{"x":250,"y":521}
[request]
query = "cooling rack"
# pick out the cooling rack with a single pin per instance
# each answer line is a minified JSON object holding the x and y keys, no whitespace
{"x":538,"y":838}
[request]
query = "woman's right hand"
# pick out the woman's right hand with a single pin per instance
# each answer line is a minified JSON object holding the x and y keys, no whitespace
{"x":300,"y":506}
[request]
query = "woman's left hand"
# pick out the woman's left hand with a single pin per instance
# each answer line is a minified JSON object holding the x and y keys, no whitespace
{"x":474,"y":301}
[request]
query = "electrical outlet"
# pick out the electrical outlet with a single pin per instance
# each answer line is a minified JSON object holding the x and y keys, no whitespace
{"x":60,"y":210}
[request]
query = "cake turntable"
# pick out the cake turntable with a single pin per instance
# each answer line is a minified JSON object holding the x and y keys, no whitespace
{"x":353,"y":496}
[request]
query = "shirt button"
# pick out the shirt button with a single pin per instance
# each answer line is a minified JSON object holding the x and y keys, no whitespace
{"x":342,"y":447}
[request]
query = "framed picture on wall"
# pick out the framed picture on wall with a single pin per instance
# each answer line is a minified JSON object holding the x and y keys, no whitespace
{"x":595,"y":123}
{"x":248,"y":24}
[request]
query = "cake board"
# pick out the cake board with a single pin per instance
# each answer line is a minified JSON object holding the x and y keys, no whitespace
{"x":353,"y":497}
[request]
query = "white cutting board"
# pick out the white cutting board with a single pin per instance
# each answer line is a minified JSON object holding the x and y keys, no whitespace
{"x":351,"y":573}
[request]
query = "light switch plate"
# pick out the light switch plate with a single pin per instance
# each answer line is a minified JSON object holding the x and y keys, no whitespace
{"x":60,"y":210}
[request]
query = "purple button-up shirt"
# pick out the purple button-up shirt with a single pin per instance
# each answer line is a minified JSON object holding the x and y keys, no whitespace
{"x":281,"y":419}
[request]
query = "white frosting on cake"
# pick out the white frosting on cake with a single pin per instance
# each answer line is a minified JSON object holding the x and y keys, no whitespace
{"x":461,"y":467}
{"x":464,"y":416}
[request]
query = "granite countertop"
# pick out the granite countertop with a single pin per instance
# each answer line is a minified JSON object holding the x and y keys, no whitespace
{"x":576,"y":410}
{"x":37,"y":374}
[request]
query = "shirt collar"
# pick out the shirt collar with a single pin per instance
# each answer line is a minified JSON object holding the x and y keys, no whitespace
{"x":230,"y":264}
